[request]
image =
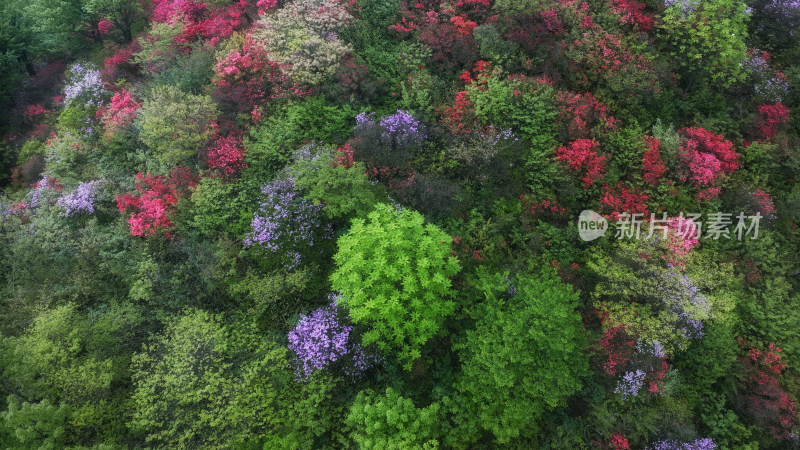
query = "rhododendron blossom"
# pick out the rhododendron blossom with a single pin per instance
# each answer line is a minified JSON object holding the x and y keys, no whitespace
{"x":631,"y":12}
{"x":226,"y":154}
{"x":120,"y":112}
{"x":156,"y":199}
{"x":620,"y":199}
{"x":582,"y":155}
{"x":770,"y":118}
{"x":654,"y":167}
{"x":104,"y":26}
{"x":708,"y":156}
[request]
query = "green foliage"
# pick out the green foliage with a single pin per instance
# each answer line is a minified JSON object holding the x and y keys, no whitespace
{"x":39,"y":425}
{"x":191,"y":72}
{"x":345,"y":192}
{"x":710,"y":40}
{"x":205,"y":384}
{"x":80,"y":360}
{"x":219,"y":206}
{"x":175,"y":125}
{"x":524,"y":356}
{"x":391,"y":422}
{"x":393,"y":273}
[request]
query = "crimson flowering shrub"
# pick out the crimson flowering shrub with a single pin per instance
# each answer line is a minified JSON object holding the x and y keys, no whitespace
{"x":652,"y":163}
{"x":32,"y":112}
{"x":226,"y":154}
{"x":600,"y":59}
{"x":681,"y":238}
{"x":632,"y":12}
{"x":446,"y":28}
{"x":246,"y":78}
{"x":708,"y":156}
{"x":120,"y":112}
{"x":770,"y":119}
{"x":120,"y":64}
{"x":157,"y":196}
{"x":765,"y":399}
{"x":614,"y":350}
{"x":198,"y":20}
{"x":581,"y":155}
{"x":620,"y":198}
{"x":460,"y":117}
{"x":579,"y":114}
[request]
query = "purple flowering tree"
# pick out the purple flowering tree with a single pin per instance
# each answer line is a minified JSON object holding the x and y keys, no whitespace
{"x":286,"y":225}
{"x":80,"y":200}
{"x":630,"y":383}
{"x":699,"y":444}
{"x":84,"y":85}
{"x":323,"y":338}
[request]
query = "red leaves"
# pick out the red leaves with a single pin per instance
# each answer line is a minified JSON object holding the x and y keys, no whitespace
{"x":156,"y":200}
{"x":582,"y":155}
{"x":770,"y":118}
{"x":654,"y":168}
{"x":708,"y":156}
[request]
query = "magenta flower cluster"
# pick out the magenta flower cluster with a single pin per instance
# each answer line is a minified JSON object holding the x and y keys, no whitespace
{"x":286,"y":223}
{"x":80,"y":200}
{"x":324,"y":337}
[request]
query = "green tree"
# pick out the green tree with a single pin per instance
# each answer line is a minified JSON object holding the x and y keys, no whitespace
{"x":391,"y":421}
{"x":122,"y":13}
{"x":38,"y":425}
{"x":176,"y":125}
{"x":525,"y":355}
{"x":202,"y":384}
{"x":393,"y":273}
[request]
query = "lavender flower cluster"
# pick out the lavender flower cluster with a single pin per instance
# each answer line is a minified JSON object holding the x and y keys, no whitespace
{"x":686,"y":6}
{"x":769,"y":86}
{"x":630,"y":384}
{"x":683,"y":298}
{"x":400,"y":128}
{"x":699,"y":444}
{"x":324,"y":337}
{"x":494,"y":137}
{"x":285,"y":222}
{"x":80,"y":200}
{"x":84,"y":84}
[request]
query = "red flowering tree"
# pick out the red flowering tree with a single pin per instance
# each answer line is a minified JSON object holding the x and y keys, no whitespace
{"x":765,"y":399}
{"x":248,"y":77}
{"x":708,"y":156}
{"x":150,"y":209}
{"x":770,"y":119}
{"x":654,"y":167}
{"x":620,"y":198}
{"x":580,"y":113}
{"x":581,"y":156}
{"x":444,"y":27}
{"x":632,"y":12}
{"x":226,"y":154}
